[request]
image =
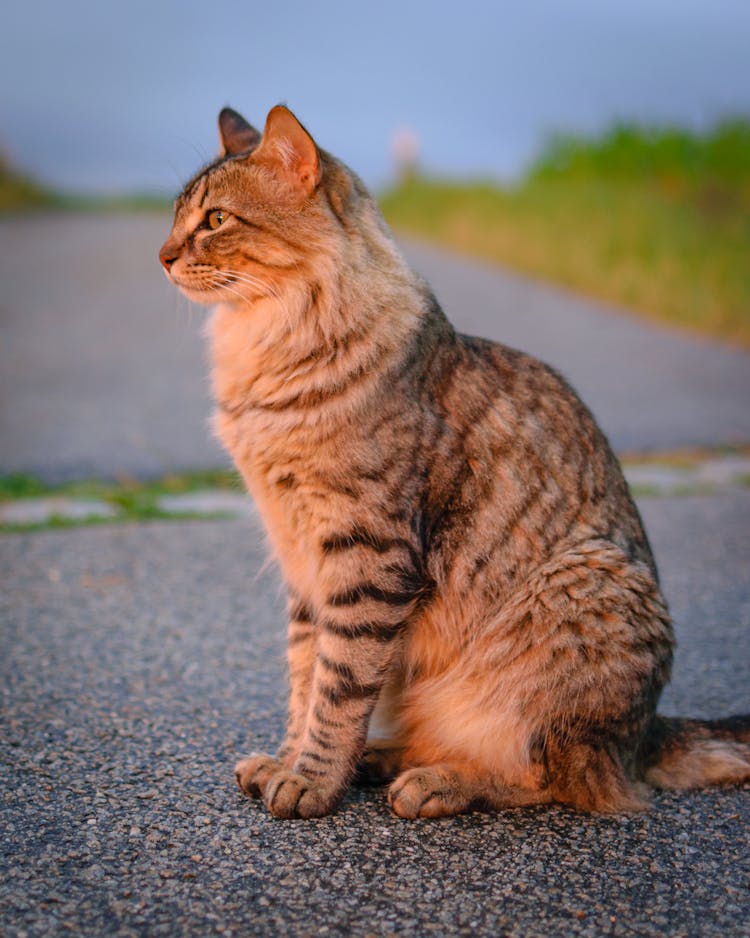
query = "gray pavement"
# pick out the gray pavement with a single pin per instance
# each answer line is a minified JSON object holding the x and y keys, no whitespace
{"x":140,"y":661}
{"x":102,"y":368}
{"x":137,"y":662}
{"x":101,"y":362}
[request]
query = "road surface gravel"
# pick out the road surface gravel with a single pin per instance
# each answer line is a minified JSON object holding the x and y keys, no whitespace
{"x":140,"y":661}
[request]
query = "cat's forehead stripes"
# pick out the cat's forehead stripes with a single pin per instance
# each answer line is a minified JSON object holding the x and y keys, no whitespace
{"x":201,"y":191}
{"x":192,"y":188}
{"x":198,"y":186}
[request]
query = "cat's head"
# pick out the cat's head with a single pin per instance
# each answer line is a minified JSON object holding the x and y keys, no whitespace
{"x":261,"y":219}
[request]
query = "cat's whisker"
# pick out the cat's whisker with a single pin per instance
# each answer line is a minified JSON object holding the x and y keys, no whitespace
{"x":227,"y":277}
{"x":249,"y":278}
{"x":183,"y":308}
{"x":268,"y":289}
{"x":222,"y":285}
{"x":257,"y":285}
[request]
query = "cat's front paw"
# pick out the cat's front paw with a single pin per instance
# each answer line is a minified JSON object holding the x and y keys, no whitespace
{"x":290,"y":795}
{"x":254,"y":773}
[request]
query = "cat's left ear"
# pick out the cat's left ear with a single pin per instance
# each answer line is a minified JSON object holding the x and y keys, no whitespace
{"x":290,"y":149}
{"x":235,"y":134}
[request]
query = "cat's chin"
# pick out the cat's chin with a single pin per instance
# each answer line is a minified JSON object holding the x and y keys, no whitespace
{"x":211,"y":297}
{"x":203,"y":297}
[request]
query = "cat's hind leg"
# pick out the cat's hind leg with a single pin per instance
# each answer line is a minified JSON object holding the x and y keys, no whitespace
{"x":446,"y":789}
{"x":590,"y":776}
{"x":380,"y":762}
{"x":564,"y":678}
{"x":584,"y":775}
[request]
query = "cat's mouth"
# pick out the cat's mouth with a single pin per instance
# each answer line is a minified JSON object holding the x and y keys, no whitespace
{"x":197,"y":290}
{"x":214,"y":285}
{"x":205,"y":290}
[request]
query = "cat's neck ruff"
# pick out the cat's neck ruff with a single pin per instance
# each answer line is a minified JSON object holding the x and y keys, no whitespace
{"x":273,"y":363}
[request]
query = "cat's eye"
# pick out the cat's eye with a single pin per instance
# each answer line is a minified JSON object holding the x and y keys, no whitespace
{"x":216,"y":218}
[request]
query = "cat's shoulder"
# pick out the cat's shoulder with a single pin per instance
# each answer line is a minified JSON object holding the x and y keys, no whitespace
{"x":509,"y":361}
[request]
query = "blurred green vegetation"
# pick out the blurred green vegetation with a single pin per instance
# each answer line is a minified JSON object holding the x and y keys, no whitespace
{"x":132,"y":499}
{"x":653,"y":219}
{"x":657,"y":220}
{"x":122,"y":490}
{"x":19,"y":192}
{"x":672,"y":156}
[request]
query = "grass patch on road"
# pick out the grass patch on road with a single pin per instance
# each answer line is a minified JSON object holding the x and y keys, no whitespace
{"x":685,"y":457}
{"x":29,"y":504}
{"x":126,"y":499}
{"x":657,"y":221}
{"x":26,"y":485}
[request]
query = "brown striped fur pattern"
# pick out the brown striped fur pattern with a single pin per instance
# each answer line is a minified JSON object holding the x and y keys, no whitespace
{"x":468,"y":576}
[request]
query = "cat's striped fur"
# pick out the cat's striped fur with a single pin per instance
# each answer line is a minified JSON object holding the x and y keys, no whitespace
{"x":458,"y":542}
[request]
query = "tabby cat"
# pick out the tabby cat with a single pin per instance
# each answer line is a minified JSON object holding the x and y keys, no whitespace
{"x":465,"y":567}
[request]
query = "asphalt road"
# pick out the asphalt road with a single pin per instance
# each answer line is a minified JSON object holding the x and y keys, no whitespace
{"x":102,"y":368}
{"x":137,"y":662}
{"x":140,"y":661}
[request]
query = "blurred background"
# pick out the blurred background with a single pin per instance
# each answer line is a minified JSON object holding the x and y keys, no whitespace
{"x":600,"y":146}
{"x":103,"y":97}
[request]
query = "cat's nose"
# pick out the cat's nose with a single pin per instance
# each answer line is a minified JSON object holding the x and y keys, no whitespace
{"x":167,"y":256}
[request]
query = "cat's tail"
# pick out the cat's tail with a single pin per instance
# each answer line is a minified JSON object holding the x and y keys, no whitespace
{"x":683,"y":753}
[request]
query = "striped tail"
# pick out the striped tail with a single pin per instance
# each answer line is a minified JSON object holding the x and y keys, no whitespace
{"x":685,"y":753}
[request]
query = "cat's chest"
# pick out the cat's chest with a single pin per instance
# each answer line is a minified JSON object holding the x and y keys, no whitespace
{"x":290,"y":481}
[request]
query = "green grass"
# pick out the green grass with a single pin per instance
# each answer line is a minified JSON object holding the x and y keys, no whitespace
{"x":674,"y":154}
{"x":655,"y":221}
{"x":19,"y":192}
{"x":59,"y":522}
{"x":134,"y":500}
{"x":123,"y":490}
{"x":21,"y":485}
{"x":683,"y":458}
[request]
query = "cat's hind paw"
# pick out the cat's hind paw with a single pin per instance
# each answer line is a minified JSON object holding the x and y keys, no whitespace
{"x":254,"y":773}
{"x":427,"y":792}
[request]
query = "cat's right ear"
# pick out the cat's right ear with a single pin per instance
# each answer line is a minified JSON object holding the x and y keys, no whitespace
{"x":235,"y":134}
{"x":290,"y":150}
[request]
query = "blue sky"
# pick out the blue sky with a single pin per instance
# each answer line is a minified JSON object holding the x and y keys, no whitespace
{"x":98,"y":96}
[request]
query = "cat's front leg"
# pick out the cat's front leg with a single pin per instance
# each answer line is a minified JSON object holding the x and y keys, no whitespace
{"x":301,"y":652}
{"x":254,"y":772}
{"x":359,"y":628}
{"x":346,"y":684}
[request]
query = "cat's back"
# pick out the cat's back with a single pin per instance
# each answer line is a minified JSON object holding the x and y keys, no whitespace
{"x":524,"y":467}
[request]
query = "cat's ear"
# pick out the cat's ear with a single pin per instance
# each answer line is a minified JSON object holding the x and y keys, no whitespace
{"x":290,"y":150}
{"x":235,"y":134}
